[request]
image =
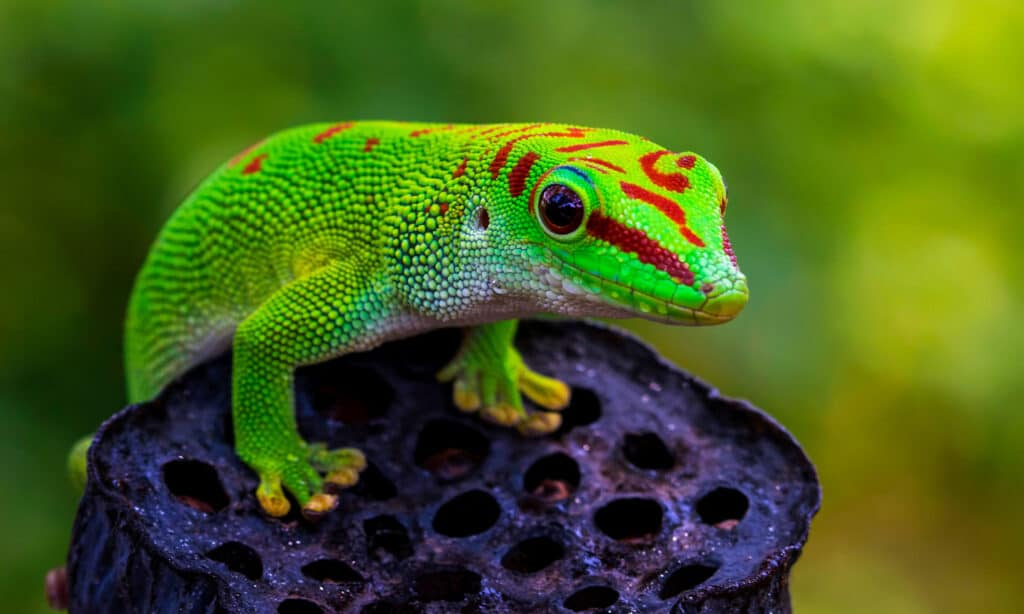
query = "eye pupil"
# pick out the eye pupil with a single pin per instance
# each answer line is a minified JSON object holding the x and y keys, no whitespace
{"x":561,"y":209}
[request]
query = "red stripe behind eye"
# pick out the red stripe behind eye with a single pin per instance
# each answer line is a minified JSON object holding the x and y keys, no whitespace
{"x":666,"y":205}
{"x":600,"y":162}
{"x":502,"y":156}
{"x":518,"y":176}
{"x":634,"y":241}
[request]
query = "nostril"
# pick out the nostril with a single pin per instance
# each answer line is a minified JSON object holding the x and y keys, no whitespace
{"x":707,"y":288}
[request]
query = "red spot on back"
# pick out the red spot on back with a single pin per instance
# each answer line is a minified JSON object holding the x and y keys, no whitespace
{"x":502,"y":156}
{"x":425,"y":131}
{"x":673,"y":182}
{"x":635,"y":241}
{"x":370,"y":144}
{"x":520,"y":173}
{"x":444,"y":208}
{"x":333,"y":130}
{"x":461,"y":170}
{"x":666,"y":205}
{"x":582,"y":146}
{"x":254,"y":165}
{"x":686,"y":162}
{"x":599,"y":162}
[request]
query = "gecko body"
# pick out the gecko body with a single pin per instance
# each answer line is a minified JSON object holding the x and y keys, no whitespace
{"x":333,"y":238}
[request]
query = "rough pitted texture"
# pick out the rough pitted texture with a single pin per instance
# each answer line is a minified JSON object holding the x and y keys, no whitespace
{"x":656,"y":495}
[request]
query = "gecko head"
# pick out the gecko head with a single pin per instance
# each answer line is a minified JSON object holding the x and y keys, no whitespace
{"x":629,"y":229}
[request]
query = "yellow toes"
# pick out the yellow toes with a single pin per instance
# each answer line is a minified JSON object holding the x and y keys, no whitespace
{"x":540,"y":423}
{"x":503,"y":415}
{"x":343,"y":478}
{"x":465,"y":396}
{"x":547,"y":392}
{"x":272,"y":499}
{"x":319,"y":504}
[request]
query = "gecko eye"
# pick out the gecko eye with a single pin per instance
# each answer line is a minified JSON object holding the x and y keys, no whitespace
{"x":561,"y":209}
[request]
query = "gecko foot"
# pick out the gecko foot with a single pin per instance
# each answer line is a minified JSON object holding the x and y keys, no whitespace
{"x":494,"y":386}
{"x":299,"y":473}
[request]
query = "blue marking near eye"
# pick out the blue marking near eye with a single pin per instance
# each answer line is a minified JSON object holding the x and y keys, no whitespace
{"x":578,"y":172}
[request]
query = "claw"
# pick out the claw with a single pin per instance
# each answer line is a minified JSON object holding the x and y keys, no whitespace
{"x":547,"y":392}
{"x":540,"y":423}
{"x":343,"y":478}
{"x":318,"y":505}
{"x":502,"y":415}
{"x":272,"y":498}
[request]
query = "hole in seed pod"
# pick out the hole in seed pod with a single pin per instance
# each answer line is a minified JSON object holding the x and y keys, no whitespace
{"x":584,"y":408}
{"x":196,"y":484}
{"x":331,"y":570}
{"x":352,"y":395}
{"x":239,"y":558}
{"x":686,"y":578}
{"x":553,"y":477}
{"x":450,"y":450}
{"x":723,"y":507}
{"x":374,"y":485}
{"x":467,"y":514}
{"x":592,"y":598}
{"x":647,"y":451}
{"x":532,"y":555}
{"x":387,"y":607}
{"x":447,"y":585}
{"x":632,"y":519}
{"x":298,"y":606}
{"x":386,"y":533}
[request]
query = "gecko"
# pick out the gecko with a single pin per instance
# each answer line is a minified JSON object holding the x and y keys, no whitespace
{"x":333,"y":238}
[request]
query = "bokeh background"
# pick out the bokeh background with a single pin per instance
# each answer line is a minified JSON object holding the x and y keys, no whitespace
{"x":875,"y":158}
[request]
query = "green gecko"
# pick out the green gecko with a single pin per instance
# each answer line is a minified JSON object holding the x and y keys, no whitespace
{"x":334,"y":238}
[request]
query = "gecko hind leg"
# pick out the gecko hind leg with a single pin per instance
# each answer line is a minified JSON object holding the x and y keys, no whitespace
{"x":489,"y":376}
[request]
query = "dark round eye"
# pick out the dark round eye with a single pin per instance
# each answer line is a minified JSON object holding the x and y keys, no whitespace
{"x":561,"y":209}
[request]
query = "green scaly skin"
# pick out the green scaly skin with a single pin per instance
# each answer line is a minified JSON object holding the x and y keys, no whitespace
{"x":334,"y":238}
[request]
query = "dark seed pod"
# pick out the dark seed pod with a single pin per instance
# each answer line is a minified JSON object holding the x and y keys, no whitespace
{"x":657,"y":495}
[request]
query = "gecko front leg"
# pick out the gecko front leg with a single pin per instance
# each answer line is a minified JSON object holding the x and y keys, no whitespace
{"x":489,"y":375}
{"x":307,"y":321}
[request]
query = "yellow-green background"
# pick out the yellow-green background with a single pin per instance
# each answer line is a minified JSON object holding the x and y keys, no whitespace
{"x":873,"y":151}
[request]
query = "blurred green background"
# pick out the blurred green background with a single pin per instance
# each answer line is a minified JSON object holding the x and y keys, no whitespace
{"x":875,"y":158}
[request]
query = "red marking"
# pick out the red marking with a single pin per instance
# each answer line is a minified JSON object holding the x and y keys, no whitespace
{"x":673,"y":182}
{"x":637,"y":242}
{"x":582,"y":146}
{"x":461,"y":170}
{"x":254,"y":165}
{"x":601,"y":162}
{"x":666,"y":205}
{"x":423,"y":131}
{"x":333,"y":130}
{"x":238,"y":156}
{"x":502,"y":156}
{"x":520,"y":129}
{"x":444,"y":208}
{"x":487,"y":131}
{"x":727,"y":248}
{"x":520,"y":173}
{"x":370,"y":144}
{"x":686,"y":162}
{"x":722,"y":204}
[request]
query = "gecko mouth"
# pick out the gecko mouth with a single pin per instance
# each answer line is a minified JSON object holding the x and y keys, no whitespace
{"x":718,"y":308}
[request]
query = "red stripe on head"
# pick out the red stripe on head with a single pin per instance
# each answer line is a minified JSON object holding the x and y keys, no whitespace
{"x":254,"y":165}
{"x":461,"y":170}
{"x":333,"y":130}
{"x":370,"y":144}
{"x":673,"y":182}
{"x":238,"y":156}
{"x":635,"y":241}
{"x":600,"y":162}
{"x":502,"y":156}
{"x":666,"y":205}
{"x":520,"y":173}
{"x":583,"y":146}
